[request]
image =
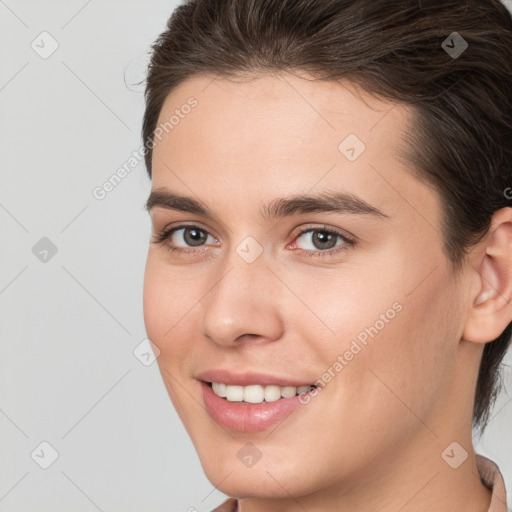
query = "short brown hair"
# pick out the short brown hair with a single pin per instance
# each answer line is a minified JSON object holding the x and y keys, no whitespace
{"x":461,"y":141}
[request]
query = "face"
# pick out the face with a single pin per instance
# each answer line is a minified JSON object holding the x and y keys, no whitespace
{"x":307,"y":253}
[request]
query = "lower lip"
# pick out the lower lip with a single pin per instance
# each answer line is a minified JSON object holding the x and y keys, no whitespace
{"x":247,"y":417}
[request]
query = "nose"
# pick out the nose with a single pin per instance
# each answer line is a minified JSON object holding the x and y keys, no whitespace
{"x":243,"y":304}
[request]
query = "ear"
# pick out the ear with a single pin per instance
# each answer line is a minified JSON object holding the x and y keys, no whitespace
{"x":491,"y":309}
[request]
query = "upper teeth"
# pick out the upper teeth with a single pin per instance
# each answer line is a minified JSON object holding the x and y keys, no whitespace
{"x":255,"y":394}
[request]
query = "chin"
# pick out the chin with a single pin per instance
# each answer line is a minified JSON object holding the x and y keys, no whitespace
{"x":265,"y":479}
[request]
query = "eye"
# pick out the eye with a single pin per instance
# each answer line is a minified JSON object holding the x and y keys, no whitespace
{"x":323,"y":241}
{"x":184,"y":238}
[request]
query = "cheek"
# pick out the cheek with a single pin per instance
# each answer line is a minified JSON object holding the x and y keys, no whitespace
{"x":165,"y":310}
{"x":163,"y":304}
{"x":166,"y":300}
{"x":406,"y":365}
{"x":386,"y":347}
{"x":154,"y":301}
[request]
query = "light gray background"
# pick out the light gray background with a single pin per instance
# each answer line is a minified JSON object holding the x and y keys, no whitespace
{"x":70,"y":324}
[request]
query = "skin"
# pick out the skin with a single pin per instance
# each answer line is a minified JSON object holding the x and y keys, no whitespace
{"x":372,"y":439}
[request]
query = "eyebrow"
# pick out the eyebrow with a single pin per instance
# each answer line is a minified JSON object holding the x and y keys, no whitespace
{"x":327,"y":201}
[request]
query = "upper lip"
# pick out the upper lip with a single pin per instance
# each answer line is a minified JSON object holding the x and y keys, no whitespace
{"x":250,"y":378}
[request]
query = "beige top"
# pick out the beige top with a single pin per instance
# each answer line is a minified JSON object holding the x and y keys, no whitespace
{"x":492,"y":479}
{"x":489,"y":475}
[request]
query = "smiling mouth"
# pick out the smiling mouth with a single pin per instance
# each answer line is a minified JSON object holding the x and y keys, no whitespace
{"x":256,"y":393}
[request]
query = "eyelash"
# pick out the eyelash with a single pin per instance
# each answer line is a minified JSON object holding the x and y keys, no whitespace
{"x":347,"y":242}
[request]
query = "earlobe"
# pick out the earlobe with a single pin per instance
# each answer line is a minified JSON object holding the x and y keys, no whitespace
{"x":491,"y":310}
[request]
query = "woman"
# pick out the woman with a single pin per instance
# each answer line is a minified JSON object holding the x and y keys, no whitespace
{"x":329,"y":278}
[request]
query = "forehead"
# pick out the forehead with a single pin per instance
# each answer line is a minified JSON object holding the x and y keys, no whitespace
{"x":282,"y":110}
{"x":282,"y":133}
